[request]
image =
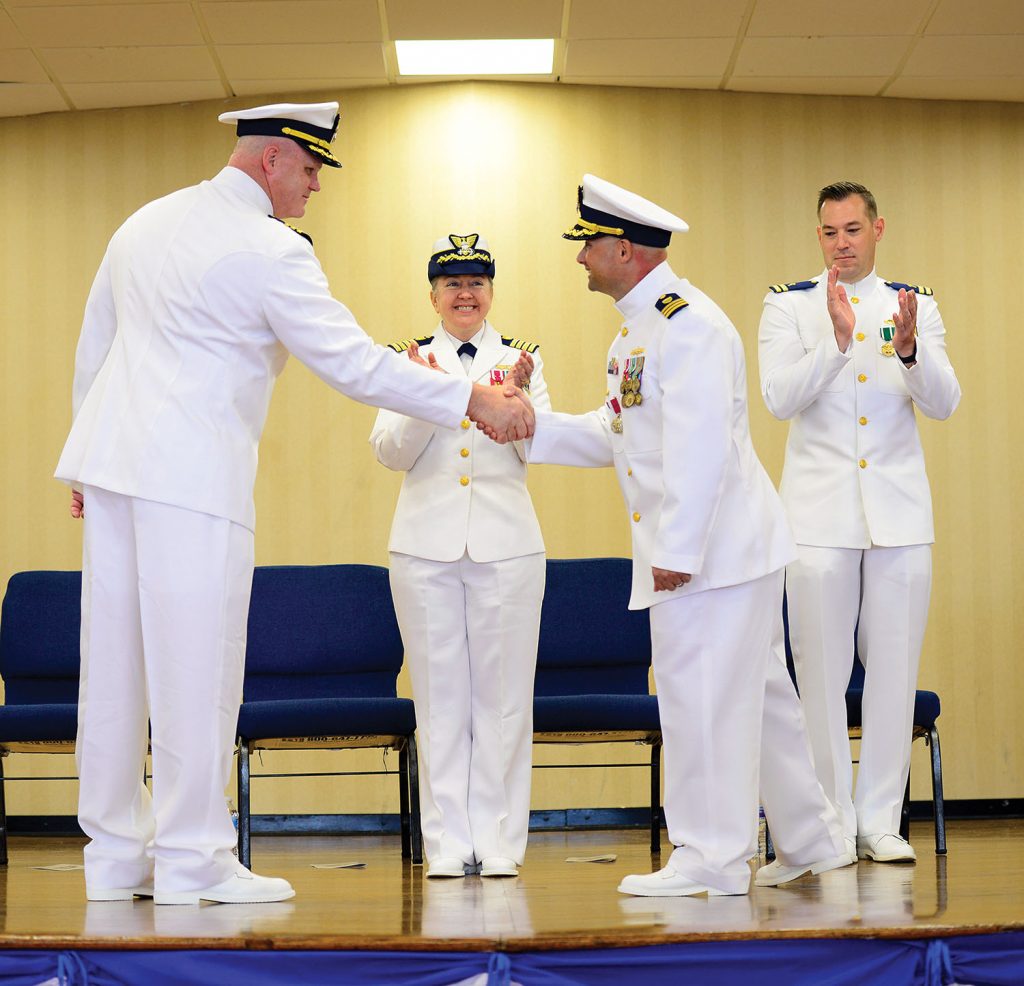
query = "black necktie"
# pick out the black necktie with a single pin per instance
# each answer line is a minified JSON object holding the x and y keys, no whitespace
{"x":467,"y":348}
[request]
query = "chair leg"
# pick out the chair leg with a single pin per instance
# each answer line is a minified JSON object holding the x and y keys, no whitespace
{"x":938,"y":803}
{"x":656,"y":798}
{"x":905,"y":812}
{"x":3,"y":818}
{"x":416,"y":833}
{"x":244,"y":850}
{"x":403,"y":801}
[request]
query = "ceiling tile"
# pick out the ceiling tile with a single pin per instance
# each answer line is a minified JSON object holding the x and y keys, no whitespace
{"x":321,"y":61}
{"x":966,"y":57}
{"x":21,"y":65}
{"x":415,"y":20}
{"x":1005,"y":89}
{"x":972,"y":17}
{"x":273,"y":88}
{"x":21,"y":100}
{"x":121,"y":65}
{"x":11,"y":4}
{"x":655,"y":19}
{"x":810,"y":85}
{"x":10,"y":36}
{"x":812,"y":18}
{"x":291,"y":21}
{"x":100,"y":95}
{"x":818,"y":57}
{"x":651,"y":59}
{"x":107,"y":25}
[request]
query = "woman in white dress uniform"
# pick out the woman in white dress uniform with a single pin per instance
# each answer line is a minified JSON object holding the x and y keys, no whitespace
{"x":467,"y":575}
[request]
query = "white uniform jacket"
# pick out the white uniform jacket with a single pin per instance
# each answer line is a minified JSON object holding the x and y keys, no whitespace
{"x":462,"y":492}
{"x":854,"y":473}
{"x":196,"y":304}
{"x":699,"y":500}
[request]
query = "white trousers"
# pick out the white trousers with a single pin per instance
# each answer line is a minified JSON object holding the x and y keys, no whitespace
{"x":165,"y":599}
{"x":719,"y":677}
{"x":470,"y":632}
{"x":881,"y":594}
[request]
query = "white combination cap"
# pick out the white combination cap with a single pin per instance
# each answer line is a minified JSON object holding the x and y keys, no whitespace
{"x":312,"y":126}
{"x":608,"y":210}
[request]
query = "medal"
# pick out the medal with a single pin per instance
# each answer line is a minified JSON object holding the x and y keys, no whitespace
{"x":638,"y":399}
{"x":628,"y":399}
{"x":888,"y":349}
{"x":617,"y":424}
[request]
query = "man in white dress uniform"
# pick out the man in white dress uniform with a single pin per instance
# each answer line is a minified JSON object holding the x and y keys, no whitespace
{"x":199,"y":298}
{"x":467,"y":574}
{"x":710,"y":542}
{"x":847,"y":357}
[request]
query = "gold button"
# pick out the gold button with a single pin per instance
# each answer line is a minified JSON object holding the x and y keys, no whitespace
{"x":465,"y":452}
{"x":629,"y":472}
{"x":625,"y":331}
{"x":855,"y":301}
{"x":636,"y":517}
{"x":863,"y":463}
{"x":862,"y":378}
{"x":465,"y":422}
{"x":464,"y":480}
{"x":863,"y":421}
{"x":860,"y":337}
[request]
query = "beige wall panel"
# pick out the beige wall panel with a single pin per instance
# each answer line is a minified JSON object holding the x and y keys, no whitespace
{"x":504,"y":160}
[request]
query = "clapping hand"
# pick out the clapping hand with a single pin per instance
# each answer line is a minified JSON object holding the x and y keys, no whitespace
{"x":905,"y":320}
{"x":413,"y":352}
{"x":840,"y":310}
{"x":522,"y":371}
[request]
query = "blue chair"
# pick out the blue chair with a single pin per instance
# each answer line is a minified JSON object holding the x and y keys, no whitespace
{"x":322,"y":659}
{"x":593,"y":662}
{"x":926,"y":711}
{"x":39,"y":662}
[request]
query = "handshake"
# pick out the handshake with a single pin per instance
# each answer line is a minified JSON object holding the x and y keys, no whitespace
{"x":503,"y":414}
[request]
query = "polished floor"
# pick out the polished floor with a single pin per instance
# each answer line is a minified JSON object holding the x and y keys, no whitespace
{"x":554,"y":903}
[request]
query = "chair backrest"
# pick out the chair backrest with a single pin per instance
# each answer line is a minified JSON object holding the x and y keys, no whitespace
{"x":321,"y":631}
{"x":590,"y":642}
{"x":40,"y":629}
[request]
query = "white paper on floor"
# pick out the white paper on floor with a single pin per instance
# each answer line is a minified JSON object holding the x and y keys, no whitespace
{"x":606,"y":858}
{"x":61,"y":867}
{"x":337,"y":866}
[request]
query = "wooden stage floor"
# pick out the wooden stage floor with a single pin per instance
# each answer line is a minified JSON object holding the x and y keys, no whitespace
{"x":553,"y":904}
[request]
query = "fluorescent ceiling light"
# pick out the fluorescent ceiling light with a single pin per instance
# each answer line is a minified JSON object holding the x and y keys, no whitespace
{"x":509,"y":57}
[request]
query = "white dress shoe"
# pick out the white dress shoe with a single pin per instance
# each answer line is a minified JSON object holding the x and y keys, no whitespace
{"x":498,"y":866}
{"x":666,"y":883}
{"x":241,"y":887}
{"x":446,"y":866}
{"x":778,"y":872}
{"x":119,"y":893}
{"x":885,"y":848}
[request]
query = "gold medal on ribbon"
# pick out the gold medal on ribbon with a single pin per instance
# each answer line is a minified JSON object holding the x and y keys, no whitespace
{"x":628,"y":399}
{"x":888,"y":349}
{"x":617,"y":424}
{"x":638,"y":399}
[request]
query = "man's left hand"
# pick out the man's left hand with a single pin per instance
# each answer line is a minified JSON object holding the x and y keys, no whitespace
{"x":905,"y":320}
{"x":666,"y":580}
{"x":77,"y":505}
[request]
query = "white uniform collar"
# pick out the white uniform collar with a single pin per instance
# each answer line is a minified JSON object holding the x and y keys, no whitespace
{"x":857,"y":289}
{"x":645,"y":292}
{"x":239,"y":183}
{"x":475,"y":340}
